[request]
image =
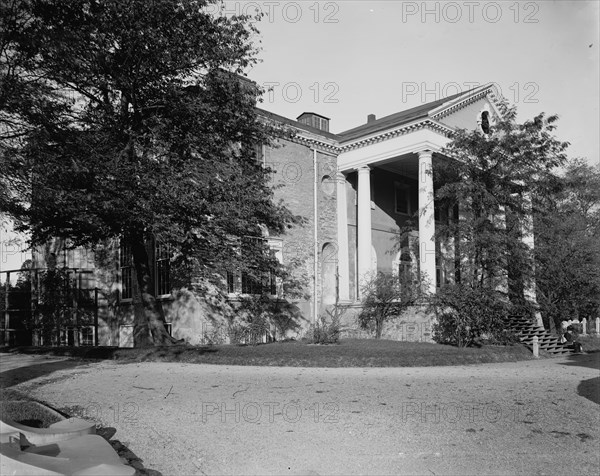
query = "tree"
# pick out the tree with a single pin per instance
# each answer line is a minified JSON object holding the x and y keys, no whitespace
{"x":568,"y":245}
{"x":386,"y":297}
{"x":486,"y":186}
{"x":466,"y":314}
{"x":132,"y":119}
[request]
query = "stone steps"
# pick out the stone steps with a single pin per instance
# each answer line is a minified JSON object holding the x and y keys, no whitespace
{"x":526,"y":331}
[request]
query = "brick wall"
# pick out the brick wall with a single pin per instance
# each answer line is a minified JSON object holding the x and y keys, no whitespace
{"x":294,"y":180}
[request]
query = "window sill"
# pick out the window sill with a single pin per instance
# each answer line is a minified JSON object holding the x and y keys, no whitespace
{"x":245,"y":296}
{"x":164,"y":297}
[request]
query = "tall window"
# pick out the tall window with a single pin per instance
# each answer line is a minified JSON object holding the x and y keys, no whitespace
{"x":126,"y":265}
{"x":87,"y":335}
{"x":163,"y":269}
{"x":440,"y":276}
{"x":251,"y":283}
{"x":405,"y":268}
{"x":441,"y":212}
{"x":403,"y":204}
{"x":260,"y":153}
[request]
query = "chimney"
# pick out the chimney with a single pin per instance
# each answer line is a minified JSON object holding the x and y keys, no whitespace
{"x":371,"y":118}
{"x":314,"y":120}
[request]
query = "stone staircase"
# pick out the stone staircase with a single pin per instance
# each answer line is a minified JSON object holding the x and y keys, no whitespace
{"x":526,"y":330}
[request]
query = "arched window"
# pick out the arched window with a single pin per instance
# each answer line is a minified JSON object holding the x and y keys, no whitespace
{"x":328,"y":274}
{"x":484,"y":120}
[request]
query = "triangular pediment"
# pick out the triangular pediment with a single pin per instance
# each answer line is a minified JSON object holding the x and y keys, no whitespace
{"x":465,"y":111}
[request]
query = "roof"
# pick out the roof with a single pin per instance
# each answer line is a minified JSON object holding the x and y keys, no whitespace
{"x":384,"y":123}
{"x":403,"y":117}
{"x":313,"y":114}
{"x":298,"y":125}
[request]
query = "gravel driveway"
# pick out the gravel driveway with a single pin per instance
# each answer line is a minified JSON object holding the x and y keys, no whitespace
{"x":536,"y":417}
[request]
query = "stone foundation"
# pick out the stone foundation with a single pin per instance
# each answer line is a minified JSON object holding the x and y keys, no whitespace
{"x":413,"y":325}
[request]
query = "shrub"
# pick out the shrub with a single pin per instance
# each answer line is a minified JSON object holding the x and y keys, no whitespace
{"x":385,"y":297}
{"x":466,"y":316}
{"x":327,"y":328}
{"x":215,"y":336}
{"x":251,"y":332}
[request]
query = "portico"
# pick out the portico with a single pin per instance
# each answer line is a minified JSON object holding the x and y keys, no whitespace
{"x":411,"y":153}
{"x":385,"y":162}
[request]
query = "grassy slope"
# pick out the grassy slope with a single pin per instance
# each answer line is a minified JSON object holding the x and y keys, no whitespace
{"x":348,"y":353}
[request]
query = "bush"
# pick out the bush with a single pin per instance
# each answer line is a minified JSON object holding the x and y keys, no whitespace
{"x":248,"y":332}
{"x":467,"y":316}
{"x":215,"y":336}
{"x":385,"y":297}
{"x":327,"y":328}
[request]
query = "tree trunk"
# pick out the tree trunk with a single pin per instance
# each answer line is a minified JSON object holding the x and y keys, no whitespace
{"x":378,"y":327}
{"x":149,"y":324}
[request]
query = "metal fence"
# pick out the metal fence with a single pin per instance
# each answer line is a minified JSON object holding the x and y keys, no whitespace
{"x":48,"y":306}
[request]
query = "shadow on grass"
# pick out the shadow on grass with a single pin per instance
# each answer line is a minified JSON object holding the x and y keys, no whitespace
{"x":17,"y":375}
{"x":589,"y":388}
{"x":114,"y":353}
{"x":590,"y":360}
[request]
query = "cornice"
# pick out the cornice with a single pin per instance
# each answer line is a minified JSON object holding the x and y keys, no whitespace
{"x":460,"y":105}
{"x":426,"y":123}
{"x":334,"y":148}
{"x":431,"y":122}
{"x":489,"y":91}
{"x":320,"y":144}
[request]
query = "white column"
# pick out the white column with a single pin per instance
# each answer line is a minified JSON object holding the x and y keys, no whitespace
{"x":364,"y":225}
{"x":527,"y":237}
{"x":426,"y":222}
{"x":343,"y":267}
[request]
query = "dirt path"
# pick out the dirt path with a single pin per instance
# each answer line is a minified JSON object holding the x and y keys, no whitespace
{"x":538,"y":417}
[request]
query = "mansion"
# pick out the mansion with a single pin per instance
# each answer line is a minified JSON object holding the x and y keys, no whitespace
{"x":356,"y":189}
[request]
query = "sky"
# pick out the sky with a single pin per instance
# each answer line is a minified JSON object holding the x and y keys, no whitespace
{"x":346,"y":59}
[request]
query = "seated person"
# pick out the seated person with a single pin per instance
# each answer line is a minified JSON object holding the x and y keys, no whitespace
{"x":572,"y":343}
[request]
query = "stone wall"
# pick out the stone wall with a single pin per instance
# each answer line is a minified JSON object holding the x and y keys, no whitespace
{"x":413,"y":325}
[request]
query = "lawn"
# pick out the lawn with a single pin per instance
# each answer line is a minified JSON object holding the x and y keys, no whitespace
{"x":26,"y":412}
{"x":590,"y":343}
{"x":348,"y":353}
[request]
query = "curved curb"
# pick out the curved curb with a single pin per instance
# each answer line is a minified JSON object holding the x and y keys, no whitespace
{"x":62,"y":430}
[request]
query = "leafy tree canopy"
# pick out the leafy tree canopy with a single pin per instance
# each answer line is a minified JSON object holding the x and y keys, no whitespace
{"x":486,"y":188}
{"x":132,"y":119}
{"x":567,"y":248}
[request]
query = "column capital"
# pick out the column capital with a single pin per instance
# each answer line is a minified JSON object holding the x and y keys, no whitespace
{"x":425,"y":153}
{"x":363,"y":168}
{"x":339,"y":173}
